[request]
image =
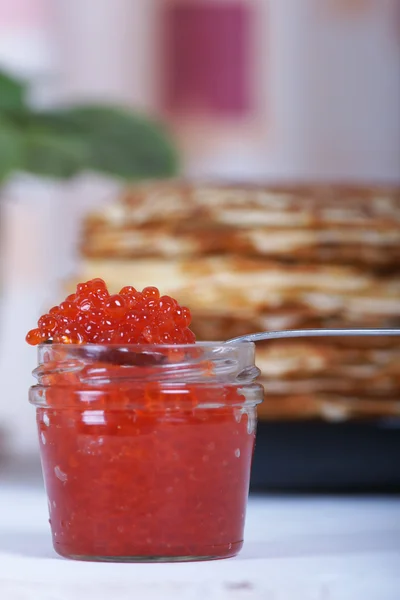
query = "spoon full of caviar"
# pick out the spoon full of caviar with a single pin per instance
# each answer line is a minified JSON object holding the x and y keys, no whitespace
{"x":129,"y":328}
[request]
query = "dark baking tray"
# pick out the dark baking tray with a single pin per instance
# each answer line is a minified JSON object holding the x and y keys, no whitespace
{"x":327,"y":457}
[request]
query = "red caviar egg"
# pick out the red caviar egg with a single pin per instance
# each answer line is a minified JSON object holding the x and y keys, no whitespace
{"x":48,"y":325}
{"x":115,"y":307}
{"x":151,"y":292}
{"x":35,"y":336}
{"x":69,"y":310}
{"x":128,"y":290}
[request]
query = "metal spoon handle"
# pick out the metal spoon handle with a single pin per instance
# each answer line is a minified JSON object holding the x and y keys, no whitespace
{"x":295,"y":333}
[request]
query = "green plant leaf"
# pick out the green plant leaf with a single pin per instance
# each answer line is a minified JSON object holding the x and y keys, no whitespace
{"x":50,"y":155}
{"x":11,"y":150}
{"x":117,"y":141}
{"x":12,"y":93}
{"x":61,"y":143}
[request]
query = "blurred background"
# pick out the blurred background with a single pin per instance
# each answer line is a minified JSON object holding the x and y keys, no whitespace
{"x":284,"y":118}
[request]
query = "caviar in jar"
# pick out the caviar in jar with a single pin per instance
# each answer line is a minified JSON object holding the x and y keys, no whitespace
{"x":146,"y":449}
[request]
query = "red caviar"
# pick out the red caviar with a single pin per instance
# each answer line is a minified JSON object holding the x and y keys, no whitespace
{"x":146,"y":453}
{"x":147,"y":483}
{"x":93,"y":315}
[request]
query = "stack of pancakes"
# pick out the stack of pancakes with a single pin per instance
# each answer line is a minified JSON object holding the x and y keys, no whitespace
{"x":252,"y":258}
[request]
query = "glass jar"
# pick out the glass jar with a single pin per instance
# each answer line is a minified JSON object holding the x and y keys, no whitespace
{"x":146,"y":450}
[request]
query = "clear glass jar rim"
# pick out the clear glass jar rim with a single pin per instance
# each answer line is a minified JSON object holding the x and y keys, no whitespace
{"x":102,"y":364}
{"x":96,"y":372}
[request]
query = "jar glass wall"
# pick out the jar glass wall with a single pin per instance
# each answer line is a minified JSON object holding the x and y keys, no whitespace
{"x":146,"y":451}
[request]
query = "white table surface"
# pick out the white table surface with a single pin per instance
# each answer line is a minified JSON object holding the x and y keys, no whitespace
{"x":313,"y":548}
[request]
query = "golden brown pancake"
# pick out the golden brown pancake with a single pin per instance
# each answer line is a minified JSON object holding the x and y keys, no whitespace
{"x":311,"y":223}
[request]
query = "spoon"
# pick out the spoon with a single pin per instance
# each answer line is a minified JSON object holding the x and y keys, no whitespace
{"x":297,"y":333}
